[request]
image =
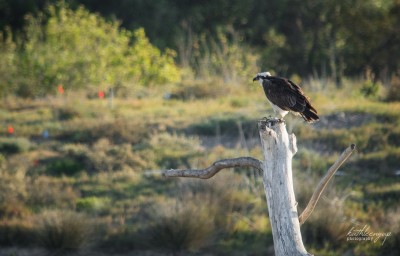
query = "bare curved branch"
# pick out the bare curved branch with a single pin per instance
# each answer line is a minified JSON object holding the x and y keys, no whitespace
{"x":323,"y":183}
{"x":216,"y":167}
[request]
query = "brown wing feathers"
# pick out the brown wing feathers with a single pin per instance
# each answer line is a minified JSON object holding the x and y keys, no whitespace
{"x":289,"y":96}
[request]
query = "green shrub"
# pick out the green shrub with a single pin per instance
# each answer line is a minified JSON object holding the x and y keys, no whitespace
{"x":63,"y":231}
{"x":93,"y":204}
{"x":148,"y":65}
{"x":64,"y":166}
{"x":370,"y":89}
{"x":77,"y":49}
{"x":14,"y":145}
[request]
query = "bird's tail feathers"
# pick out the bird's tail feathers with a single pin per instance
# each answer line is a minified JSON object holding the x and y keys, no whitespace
{"x":310,"y":115}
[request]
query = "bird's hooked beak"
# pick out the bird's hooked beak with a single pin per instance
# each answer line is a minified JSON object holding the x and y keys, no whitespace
{"x":256,"y":78}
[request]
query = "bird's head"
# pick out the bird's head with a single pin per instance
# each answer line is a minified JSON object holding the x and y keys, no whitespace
{"x":261,"y":76}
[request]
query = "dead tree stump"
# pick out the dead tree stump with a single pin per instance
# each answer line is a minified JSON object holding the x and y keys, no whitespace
{"x":279,"y":148}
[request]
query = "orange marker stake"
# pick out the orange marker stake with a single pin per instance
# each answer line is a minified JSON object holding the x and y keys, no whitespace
{"x":101,"y":94}
{"x":60,"y":89}
{"x":10,"y":130}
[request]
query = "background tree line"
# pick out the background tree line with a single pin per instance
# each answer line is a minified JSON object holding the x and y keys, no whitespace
{"x":308,"y":37}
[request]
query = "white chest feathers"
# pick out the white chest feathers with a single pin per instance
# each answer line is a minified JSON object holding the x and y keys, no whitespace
{"x":280,"y":112}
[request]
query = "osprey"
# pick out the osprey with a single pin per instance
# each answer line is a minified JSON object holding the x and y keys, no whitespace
{"x":285,"y":96}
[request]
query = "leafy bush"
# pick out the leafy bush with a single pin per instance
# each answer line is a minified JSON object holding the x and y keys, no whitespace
{"x":148,"y":64}
{"x":370,"y":89}
{"x":63,"y":231}
{"x":14,"y":145}
{"x":76,"y":49}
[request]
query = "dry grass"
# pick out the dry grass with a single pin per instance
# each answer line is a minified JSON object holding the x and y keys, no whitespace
{"x":146,"y":133}
{"x":63,"y":231}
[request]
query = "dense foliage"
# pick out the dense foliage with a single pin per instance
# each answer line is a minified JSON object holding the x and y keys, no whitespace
{"x":78,"y":49}
{"x":333,"y":38}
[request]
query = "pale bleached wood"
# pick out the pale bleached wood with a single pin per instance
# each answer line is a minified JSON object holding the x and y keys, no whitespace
{"x":324,"y":182}
{"x":279,"y":148}
{"x":216,"y":167}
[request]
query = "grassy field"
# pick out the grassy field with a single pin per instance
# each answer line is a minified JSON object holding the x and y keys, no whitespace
{"x":78,"y":175}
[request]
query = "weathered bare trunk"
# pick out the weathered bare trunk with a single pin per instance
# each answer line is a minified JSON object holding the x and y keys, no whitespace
{"x":279,"y":148}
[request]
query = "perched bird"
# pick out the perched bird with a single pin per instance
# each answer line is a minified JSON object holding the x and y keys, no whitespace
{"x":285,"y":96}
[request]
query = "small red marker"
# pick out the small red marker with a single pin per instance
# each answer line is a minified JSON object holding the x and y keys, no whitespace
{"x":101,"y":94}
{"x":10,"y":130}
{"x":60,"y":89}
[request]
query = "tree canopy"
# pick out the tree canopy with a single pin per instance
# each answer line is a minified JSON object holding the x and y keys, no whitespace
{"x":307,"y":37}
